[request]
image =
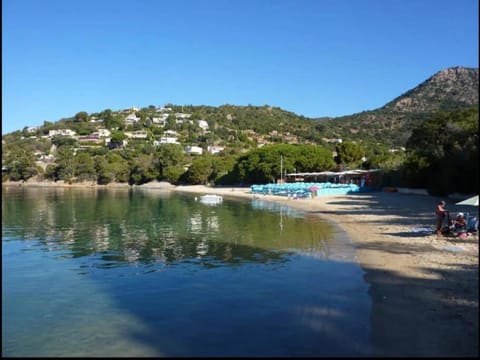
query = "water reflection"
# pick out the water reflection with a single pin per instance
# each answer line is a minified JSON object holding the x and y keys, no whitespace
{"x":126,"y":226}
{"x":163,"y":275}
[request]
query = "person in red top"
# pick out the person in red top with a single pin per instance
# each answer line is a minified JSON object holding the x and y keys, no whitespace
{"x":440,"y":212}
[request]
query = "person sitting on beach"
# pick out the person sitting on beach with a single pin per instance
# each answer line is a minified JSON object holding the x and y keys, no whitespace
{"x":460,"y":223}
{"x":440,"y":212}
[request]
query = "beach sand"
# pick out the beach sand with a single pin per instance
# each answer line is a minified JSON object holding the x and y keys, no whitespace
{"x":424,"y":288}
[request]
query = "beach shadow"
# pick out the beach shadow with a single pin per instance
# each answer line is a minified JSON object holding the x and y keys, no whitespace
{"x":395,"y":248}
{"x":424,"y":317}
{"x":381,"y":205}
{"x":410,"y":234}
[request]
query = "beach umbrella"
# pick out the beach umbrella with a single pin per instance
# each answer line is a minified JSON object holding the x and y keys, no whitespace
{"x":473,"y":201}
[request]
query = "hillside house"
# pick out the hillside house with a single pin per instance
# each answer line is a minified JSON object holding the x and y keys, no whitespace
{"x":161,"y":109}
{"x":103,"y":133}
{"x":140,"y":134}
{"x":160,"y":120}
{"x":193,"y":150}
{"x":92,"y":138}
{"x":182,"y":116}
{"x":171,"y":133}
{"x":61,"y":132}
{"x":202,"y":124}
{"x":215,"y":149}
{"x":131,"y":119}
{"x":166,"y":140}
{"x":32,"y":129}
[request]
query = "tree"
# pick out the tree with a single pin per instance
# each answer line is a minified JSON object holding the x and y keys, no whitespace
{"x":143,"y":169}
{"x":266,"y":164}
{"x":51,"y":172}
{"x":116,"y":139}
{"x":311,"y":158}
{"x":106,"y":114}
{"x":169,"y":156}
{"x":200,"y":171}
{"x":173,"y":174}
{"x":65,"y":163}
{"x":18,"y":157}
{"x":440,"y":149}
{"x":142,"y":115}
{"x":84,"y":167}
{"x":116,"y":121}
{"x":81,"y":116}
{"x":112,"y":167}
{"x":350,"y":153}
{"x":61,"y":140}
{"x":171,"y":123}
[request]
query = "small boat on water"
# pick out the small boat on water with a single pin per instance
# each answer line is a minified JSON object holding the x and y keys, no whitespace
{"x":211,"y":199}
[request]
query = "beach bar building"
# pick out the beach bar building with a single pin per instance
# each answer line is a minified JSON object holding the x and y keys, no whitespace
{"x":371,"y":177}
{"x":313,"y":184}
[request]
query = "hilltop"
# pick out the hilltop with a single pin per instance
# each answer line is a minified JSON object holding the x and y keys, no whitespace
{"x":447,"y":90}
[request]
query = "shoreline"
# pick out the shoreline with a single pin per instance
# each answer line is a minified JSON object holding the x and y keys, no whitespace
{"x":424,"y":289}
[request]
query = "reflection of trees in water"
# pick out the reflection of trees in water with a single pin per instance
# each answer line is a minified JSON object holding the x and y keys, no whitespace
{"x":130,"y":226}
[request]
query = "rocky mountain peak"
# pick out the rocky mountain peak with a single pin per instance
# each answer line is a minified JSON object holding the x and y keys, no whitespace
{"x":449,"y":88}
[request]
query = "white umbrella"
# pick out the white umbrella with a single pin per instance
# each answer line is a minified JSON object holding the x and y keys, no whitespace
{"x":470,"y":201}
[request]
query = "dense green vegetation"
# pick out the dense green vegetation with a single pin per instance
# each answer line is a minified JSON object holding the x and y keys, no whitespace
{"x":442,"y":153}
{"x":441,"y":149}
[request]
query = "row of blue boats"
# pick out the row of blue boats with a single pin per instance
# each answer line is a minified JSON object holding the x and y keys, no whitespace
{"x":307,"y":189}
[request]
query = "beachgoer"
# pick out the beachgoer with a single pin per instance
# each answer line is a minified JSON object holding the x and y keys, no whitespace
{"x":362,"y":181}
{"x":440,"y":211}
{"x":460,"y":223}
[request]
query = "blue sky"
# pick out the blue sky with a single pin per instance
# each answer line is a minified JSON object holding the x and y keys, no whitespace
{"x":311,"y":57}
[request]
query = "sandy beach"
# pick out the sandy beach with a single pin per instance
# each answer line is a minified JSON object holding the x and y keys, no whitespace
{"x":424,"y":288}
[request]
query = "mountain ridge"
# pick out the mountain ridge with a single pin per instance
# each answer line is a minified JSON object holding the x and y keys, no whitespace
{"x":448,"y":89}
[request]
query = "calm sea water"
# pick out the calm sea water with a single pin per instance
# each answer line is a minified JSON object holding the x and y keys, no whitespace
{"x":92,"y":272}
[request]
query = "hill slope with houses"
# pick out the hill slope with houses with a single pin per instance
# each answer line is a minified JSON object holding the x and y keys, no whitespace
{"x":237,"y":129}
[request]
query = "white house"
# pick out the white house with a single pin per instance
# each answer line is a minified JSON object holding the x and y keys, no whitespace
{"x":103,"y":132}
{"x":202,"y":124}
{"x":162,"y":109}
{"x":131,"y":119}
{"x":166,"y":140}
{"x":170,"y":133}
{"x":215,"y":149}
{"x":193,"y":150}
{"x":159,"y":121}
{"x":140,"y":134}
{"x":63,"y":132}
{"x":32,"y":129}
{"x":182,"y":115}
